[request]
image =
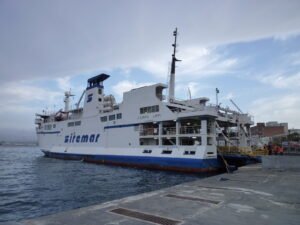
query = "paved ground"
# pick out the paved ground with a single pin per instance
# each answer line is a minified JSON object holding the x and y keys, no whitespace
{"x":251,"y":195}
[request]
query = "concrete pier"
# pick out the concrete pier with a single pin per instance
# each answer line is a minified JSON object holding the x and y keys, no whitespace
{"x":251,"y":195}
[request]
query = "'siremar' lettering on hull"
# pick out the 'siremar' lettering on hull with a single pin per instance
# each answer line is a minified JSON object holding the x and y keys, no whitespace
{"x":85,"y":138}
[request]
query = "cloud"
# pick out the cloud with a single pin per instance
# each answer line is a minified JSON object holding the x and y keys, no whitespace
{"x":66,"y":38}
{"x":64,"y":83}
{"x":196,"y":62}
{"x":281,"y":80}
{"x":21,"y":93}
{"x":227,"y":96}
{"x":285,"y":36}
{"x":21,"y":100}
{"x":294,"y":58}
{"x":204,"y":62}
{"x":126,"y":85}
{"x":278,"y":108}
{"x":182,"y":90}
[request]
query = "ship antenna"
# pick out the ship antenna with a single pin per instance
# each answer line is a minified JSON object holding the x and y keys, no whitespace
{"x":173,"y":67}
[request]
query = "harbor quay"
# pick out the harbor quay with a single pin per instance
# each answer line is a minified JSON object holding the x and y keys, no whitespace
{"x":254,"y":194}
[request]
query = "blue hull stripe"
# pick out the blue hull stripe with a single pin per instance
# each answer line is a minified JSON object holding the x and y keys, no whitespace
{"x":140,"y":161}
{"x":48,"y":132}
{"x":121,"y":126}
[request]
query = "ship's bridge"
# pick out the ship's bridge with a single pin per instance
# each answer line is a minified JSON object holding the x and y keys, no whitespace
{"x":97,"y":81}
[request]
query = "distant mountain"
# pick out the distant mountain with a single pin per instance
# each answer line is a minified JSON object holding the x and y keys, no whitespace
{"x":17,"y":135}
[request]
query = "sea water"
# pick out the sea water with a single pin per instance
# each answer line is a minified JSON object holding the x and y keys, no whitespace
{"x":32,"y":185}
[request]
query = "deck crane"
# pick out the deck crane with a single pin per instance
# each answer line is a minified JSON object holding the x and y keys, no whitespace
{"x":236,"y":106}
{"x":243,"y":128}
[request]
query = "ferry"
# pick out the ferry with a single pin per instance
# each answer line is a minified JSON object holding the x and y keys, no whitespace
{"x":149,"y":129}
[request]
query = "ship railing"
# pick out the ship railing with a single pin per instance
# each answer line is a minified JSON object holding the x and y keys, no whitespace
{"x":149,"y":131}
{"x":190,"y":130}
{"x":169,"y":130}
{"x":236,"y":150}
{"x":259,"y":152}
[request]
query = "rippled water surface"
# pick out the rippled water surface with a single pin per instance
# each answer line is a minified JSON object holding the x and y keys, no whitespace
{"x":32,"y":185}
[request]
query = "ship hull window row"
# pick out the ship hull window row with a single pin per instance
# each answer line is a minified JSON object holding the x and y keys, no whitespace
{"x":75,"y":123}
{"x":149,"y":109}
{"x":111,"y":117}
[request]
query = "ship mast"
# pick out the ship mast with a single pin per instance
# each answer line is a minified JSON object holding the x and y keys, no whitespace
{"x":173,"y":67}
{"x":68,"y":94}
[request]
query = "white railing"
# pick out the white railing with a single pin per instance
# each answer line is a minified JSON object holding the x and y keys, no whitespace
{"x":169,"y":130}
{"x":190,"y":130}
{"x":149,"y":131}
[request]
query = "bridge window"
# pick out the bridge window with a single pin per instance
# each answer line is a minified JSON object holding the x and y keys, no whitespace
{"x":119,"y":116}
{"x":149,"y":109}
{"x":77,"y":123}
{"x":71,"y":124}
{"x":112,"y":117}
{"x":103,"y":118}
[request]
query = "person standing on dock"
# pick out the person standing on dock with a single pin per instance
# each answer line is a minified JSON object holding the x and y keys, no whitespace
{"x":280,"y":150}
{"x":275,"y":149}
{"x":269,"y":149}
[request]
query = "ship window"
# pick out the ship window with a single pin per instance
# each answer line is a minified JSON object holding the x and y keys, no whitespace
{"x":100,"y":99}
{"x":149,"y":109}
{"x":54,"y":125}
{"x":77,"y":123}
{"x":119,"y":116}
{"x":71,"y":124}
{"x":100,"y":91}
{"x":153,"y":108}
{"x":147,"y":151}
{"x":112,"y":117}
{"x":189,"y":152}
{"x":166,"y":152}
{"x":48,"y":127}
{"x":103,"y":118}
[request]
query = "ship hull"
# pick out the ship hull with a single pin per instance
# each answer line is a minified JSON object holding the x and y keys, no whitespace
{"x":241,"y":160}
{"x":155,"y":163}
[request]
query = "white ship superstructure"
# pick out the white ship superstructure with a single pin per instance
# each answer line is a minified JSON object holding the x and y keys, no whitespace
{"x":147,"y":129}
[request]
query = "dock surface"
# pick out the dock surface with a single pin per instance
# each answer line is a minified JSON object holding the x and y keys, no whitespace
{"x":251,"y":195}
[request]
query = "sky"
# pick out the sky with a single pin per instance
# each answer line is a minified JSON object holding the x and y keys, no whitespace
{"x":249,"y":50}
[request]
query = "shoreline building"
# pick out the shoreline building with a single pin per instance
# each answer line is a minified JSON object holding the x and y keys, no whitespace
{"x":263,"y":133}
{"x":269,"y":129}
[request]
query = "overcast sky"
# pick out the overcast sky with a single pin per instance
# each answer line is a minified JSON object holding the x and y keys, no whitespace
{"x":250,"y":50}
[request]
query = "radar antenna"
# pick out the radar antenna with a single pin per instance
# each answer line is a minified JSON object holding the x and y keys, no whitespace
{"x":173,"y":68}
